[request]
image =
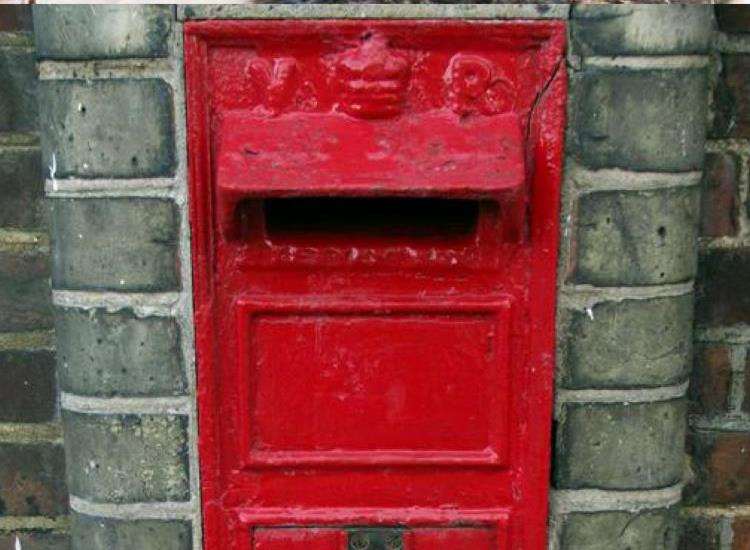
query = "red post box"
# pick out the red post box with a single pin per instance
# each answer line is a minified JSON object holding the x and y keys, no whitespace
{"x":374,"y":208}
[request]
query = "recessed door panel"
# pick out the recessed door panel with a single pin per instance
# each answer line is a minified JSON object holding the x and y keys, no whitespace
{"x":335,"y":382}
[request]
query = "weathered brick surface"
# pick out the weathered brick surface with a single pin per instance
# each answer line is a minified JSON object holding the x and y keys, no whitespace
{"x":36,"y":540}
{"x":107,"y":354}
{"x":731,"y":109}
{"x":633,"y":119}
{"x":723,"y":287}
{"x":24,"y":290}
{"x":700,"y":534}
{"x":631,"y":343}
{"x":711,"y":379}
{"x":633,"y":30}
{"x":94,"y":532}
{"x":636,"y":237}
{"x":720,"y":195}
{"x":21,"y":188}
{"x":123,"y":244}
{"x":126,"y":458}
{"x":722,"y":464}
{"x":733,"y":18}
{"x":620,"y":446}
{"x":741,"y":533}
{"x":27,"y":391}
{"x":103,"y":32}
{"x":120,"y":128}
{"x":18,"y":102}
{"x":15,"y":18}
{"x":650,"y":530}
{"x":32,"y":480}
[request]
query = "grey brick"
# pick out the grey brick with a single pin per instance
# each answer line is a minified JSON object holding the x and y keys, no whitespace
{"x":649,"y":530}
{"x":22,"y":188}
{"x":637,"y":238}
{"x":627,"y":344}
{"x":25,"y":299}
{"x":638,"y":119}
{"x":27,"y":391}
{"x":119,"y":128}
{"x":118,"y":244}
{"x":107,"y":354}
{"x":94,"y":533}
{"x":126,"y":458}
{"x":103,"y":31}
{"x":640,"y":30}
{"x":18,"y":87}
{"x":32,"y":480}
{"x":621,"y":446}
{"x":42,"y":540}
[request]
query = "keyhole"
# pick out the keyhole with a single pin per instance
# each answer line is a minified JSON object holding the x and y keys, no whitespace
{"x":359,"y":541}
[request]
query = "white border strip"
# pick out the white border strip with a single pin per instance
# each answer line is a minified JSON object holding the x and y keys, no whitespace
{"x":106,"y":69}
{"x":639,"y":395}
{"x":599,"y":500}
{"x":110,"y":188}
{"x":31,"y":433}
{"x":587,"y":296}
{"x":22,"y":524}
{"x":648,"y":62}
{"x":731,"y":334}
{"x":134,"y":511}
{"x":143,"y":304}
{"x":615,"y":179}
{"x":124,"y":405}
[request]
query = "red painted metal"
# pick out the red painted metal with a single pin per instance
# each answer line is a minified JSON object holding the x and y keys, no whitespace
{"x":374,"y":208}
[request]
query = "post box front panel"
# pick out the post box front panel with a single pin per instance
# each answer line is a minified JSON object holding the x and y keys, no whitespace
{"x":374,"y":210}
{"x":354,"y":387}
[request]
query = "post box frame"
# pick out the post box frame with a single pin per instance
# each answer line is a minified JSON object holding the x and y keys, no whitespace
{"x":530,"y":455}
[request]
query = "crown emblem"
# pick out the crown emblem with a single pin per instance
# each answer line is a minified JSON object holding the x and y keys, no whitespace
{"x":372,"y":79}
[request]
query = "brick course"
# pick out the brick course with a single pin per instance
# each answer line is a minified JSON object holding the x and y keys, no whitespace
{"x":720,"y":195}
{"x":712,"y":379}
{"x":76,"y":114}
{"x":32,"y":480}
{"x":118,"y":354}
{"x":122,"y":245}
{"x":127,"y":458}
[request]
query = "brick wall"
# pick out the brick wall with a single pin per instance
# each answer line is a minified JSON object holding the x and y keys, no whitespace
{"x":33,"y":497}
{"x":718,"y":495}
{"x":113,"y":134}
{"x":113,"y":146}
{"x":630,"y":217}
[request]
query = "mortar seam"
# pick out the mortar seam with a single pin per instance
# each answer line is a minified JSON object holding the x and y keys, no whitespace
{"x":587,"y":180}
{"x":143,"y":304}
{"x":178,"y":405}
{"x":666,"y":62}
{"x":55,"y":524}
{"x":134,"y":511}
{"x":566,"y":501}
{"x":31,"y":433}
{"x":565,"y":396}
{"x":106,"y":69}
{"x":79,"y":188}
{"x":583,"y":296}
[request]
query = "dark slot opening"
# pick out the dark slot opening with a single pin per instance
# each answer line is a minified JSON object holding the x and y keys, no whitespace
{"x":365,"y":219}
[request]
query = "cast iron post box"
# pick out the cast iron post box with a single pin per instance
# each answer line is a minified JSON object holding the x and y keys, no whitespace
{"x":374,"y":207}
